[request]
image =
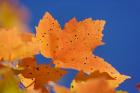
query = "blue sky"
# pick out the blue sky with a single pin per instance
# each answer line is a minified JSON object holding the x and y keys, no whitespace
{"x":121,"y":34}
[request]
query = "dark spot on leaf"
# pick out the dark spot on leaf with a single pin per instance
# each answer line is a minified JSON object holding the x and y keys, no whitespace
{"x":72,"y":86}
{"x":30,"y":73}
{"x":37,"y":68}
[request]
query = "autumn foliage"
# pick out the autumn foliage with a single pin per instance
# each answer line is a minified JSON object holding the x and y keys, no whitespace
{"x":71,"y":47}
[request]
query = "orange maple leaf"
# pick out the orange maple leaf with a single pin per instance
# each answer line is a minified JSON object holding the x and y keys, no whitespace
{"x":72,"y":47}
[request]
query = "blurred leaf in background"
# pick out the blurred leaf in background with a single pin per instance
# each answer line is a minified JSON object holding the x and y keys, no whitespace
{"x":8,"y":81}
{"x":12,"y":14}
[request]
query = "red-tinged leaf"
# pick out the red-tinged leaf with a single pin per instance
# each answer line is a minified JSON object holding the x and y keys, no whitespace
{"x":41,"y":73}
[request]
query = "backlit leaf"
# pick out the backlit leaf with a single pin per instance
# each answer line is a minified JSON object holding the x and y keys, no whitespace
{"x":72,"y":47}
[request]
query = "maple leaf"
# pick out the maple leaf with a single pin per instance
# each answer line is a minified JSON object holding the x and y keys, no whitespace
{"x":16,"y":44}
{"x":72,"y":47}
{"x":39,"y":74}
